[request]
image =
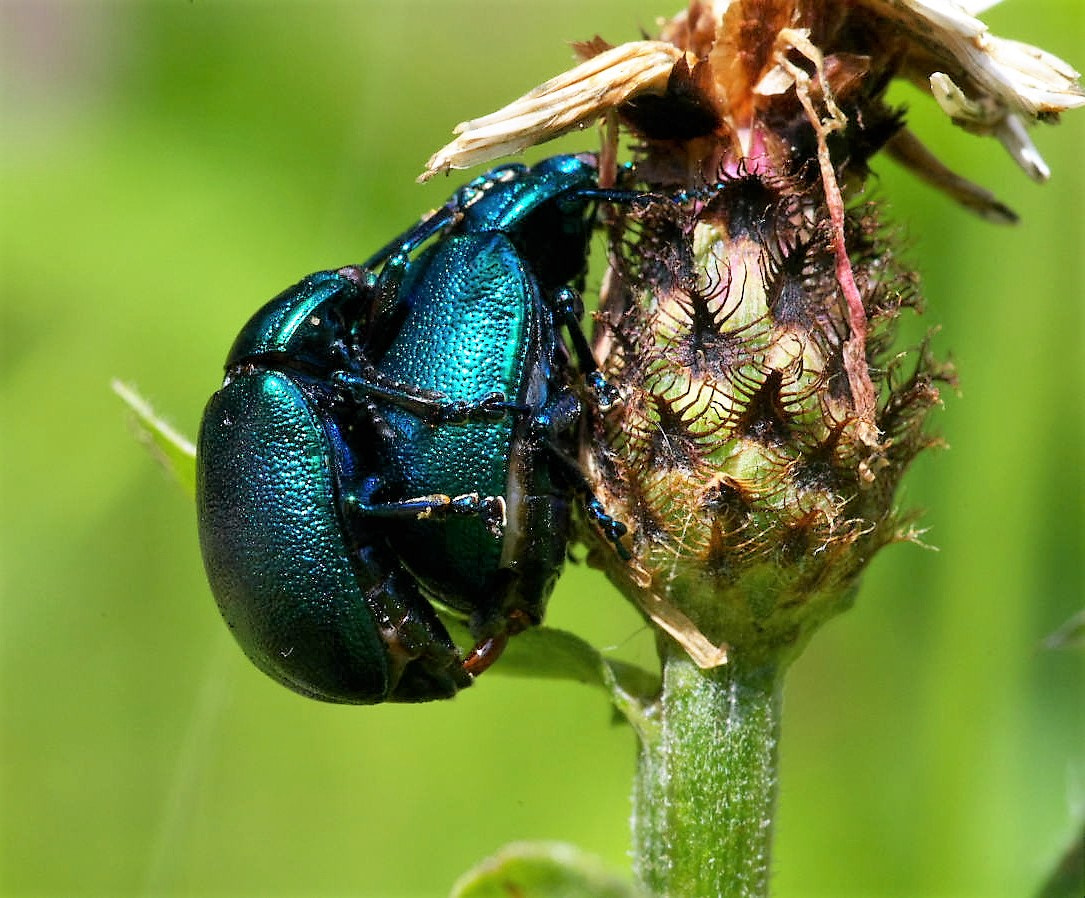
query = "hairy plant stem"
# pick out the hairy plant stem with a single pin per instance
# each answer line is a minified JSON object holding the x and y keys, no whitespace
{"x":705,"y":788}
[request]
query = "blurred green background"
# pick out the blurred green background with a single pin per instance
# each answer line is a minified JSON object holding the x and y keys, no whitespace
{"x":168,"y":166}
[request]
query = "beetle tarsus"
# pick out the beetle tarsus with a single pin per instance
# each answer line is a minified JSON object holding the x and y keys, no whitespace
{"x":612,"y":528}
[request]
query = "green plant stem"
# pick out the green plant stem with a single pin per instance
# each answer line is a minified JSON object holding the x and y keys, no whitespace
{"x":705,"y":788}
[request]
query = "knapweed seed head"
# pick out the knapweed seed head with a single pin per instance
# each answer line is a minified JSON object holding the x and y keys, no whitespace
{"x":749,"y":310}
{"x":755,"y":485}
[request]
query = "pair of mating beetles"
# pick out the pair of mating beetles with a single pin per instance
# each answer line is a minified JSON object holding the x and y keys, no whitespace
{"x":405,"y":431}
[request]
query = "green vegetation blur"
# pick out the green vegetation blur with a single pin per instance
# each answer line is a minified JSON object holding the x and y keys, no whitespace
{"x":167,"y":167}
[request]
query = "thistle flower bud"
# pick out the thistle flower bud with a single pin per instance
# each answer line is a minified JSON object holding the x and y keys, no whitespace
{"x":749,"y":311}
{"x":755,"y":483}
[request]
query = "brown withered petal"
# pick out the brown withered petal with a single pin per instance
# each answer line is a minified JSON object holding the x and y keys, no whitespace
{"x":988,"y":84}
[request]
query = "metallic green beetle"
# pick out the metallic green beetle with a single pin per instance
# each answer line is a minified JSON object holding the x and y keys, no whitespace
{"x":385,"y":441}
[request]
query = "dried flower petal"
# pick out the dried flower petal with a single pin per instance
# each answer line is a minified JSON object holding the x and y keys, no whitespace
{"x":987,"y":84}
{"x":562,"y":104}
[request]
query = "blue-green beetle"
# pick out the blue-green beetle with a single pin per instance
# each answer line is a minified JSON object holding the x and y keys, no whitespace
{"x":281,"y":450}
{"x":382,"y":441}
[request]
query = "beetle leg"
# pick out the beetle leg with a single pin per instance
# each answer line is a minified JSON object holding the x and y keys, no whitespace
{"x":429,"y":226}
{"x":451,"y":212}
{"x":430,"y":406}
{"x":394,"y":257}
{"x":612,"y":528}
{"x":567,"y":308}
{"x":437,"y":506}
{"x":559,"y":416}
{"x":425,"y":662}
{"x":491,"y":407}
{"x":636,"y":200}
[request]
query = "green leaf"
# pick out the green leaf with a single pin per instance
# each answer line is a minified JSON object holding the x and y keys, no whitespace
{"x":551,"y":654}
{"x":542,"y":870}
{"x":173,"y":451}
